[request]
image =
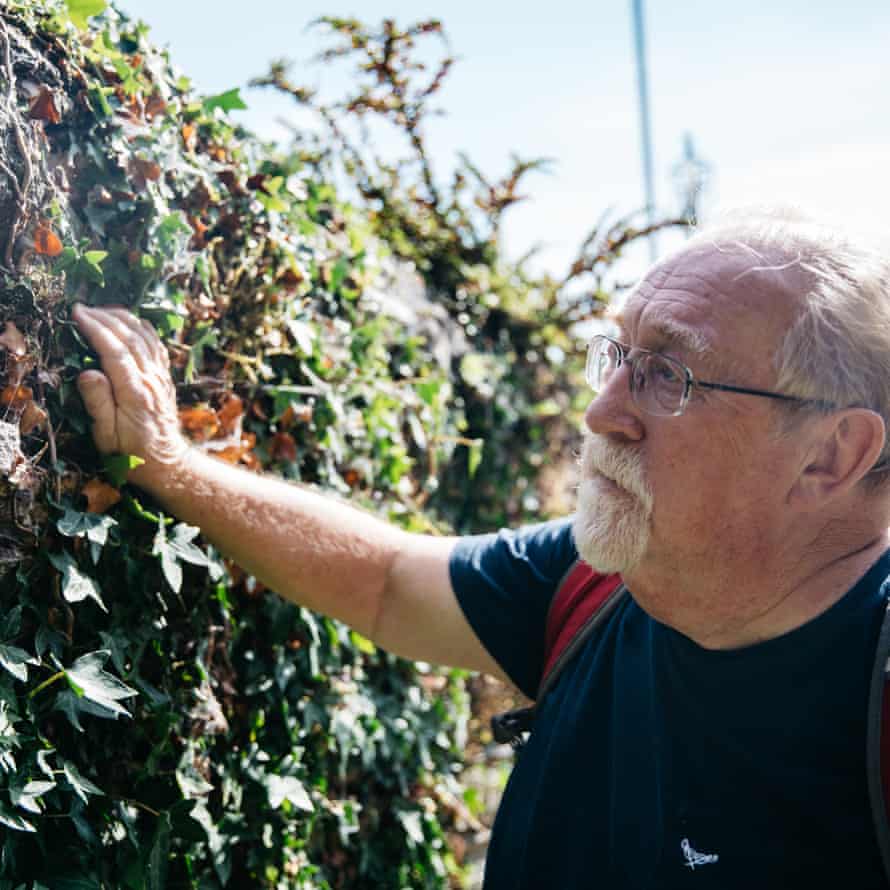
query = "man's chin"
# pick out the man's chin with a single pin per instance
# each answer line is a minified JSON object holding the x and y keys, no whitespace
{"x":610,"y":535}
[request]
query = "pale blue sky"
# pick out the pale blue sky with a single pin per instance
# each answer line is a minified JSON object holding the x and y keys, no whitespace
{"x":788,"y":100}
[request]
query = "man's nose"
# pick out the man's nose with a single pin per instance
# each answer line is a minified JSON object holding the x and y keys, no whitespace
{"x":612,"y":411}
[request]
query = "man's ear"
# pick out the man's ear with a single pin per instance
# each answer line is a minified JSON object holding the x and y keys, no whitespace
{"x":846,"y":446}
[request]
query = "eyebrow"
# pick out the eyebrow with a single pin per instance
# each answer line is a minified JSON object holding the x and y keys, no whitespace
{"x":669,"y":332}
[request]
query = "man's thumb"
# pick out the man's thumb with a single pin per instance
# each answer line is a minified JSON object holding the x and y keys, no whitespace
{"x":95,"y":390}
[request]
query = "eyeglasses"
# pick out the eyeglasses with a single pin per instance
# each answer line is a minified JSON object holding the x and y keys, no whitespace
{"x":659,"y":384}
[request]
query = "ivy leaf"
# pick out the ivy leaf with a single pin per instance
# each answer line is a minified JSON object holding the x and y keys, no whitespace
{"x":90,"y":266}
{"x":160,"y":855}
{"x":178,"y":547}
{"x":95,"y":257}
{"x":173,"y":234}
{"x":69,"y":704}
{"x":413,"y":829}
{"x":75,"y":585}
{"x":16,"y":660}
{"x":363,"y":644}
{"x":118,"y":466}
{"x":169,"y":564}
{"x":42,"y":763}
{"x":282,"y":788}
{"x":207,"y":337}
{"x":80,"y":10}
{"x":73,"y":707}
{"x":11,"y":623}
{"x":89,"y":681}
{"x":94,"y":526}
{"x":14,"y":821}
{"x":227,"y":101}
{"x":28,"y":798}
{"x":81,"y":785}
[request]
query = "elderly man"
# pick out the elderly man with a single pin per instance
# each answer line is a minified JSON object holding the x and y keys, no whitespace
{"x":712,"y":731}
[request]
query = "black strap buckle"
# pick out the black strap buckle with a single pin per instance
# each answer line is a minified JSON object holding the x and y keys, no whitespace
{"x":509,"y":726}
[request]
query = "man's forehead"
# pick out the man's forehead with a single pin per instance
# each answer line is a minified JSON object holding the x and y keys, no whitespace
{"x":706,"y":293}
{"x":665,"y":330}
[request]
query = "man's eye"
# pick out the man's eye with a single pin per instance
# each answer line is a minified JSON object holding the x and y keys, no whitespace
{"x":665,"y":372}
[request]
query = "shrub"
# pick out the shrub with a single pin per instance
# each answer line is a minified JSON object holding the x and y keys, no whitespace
{"x":164,"y":721}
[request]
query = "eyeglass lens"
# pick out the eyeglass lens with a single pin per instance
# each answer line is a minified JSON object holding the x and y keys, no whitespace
{"x":658,"y":383}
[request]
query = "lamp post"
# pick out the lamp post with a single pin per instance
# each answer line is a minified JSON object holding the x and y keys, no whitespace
{"x":645,"y":132}
{"x":690,"y":175}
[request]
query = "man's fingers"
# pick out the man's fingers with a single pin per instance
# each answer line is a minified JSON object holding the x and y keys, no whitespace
{"x":98,"y":397}
{"x":146,"y":332}
{"x":128,"y":335}
{"x":117,"y":360}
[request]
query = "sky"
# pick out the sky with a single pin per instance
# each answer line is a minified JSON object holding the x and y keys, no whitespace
{"x":786,"y":100}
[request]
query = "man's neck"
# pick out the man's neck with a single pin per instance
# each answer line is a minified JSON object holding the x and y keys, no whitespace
{"x":730,"y":606}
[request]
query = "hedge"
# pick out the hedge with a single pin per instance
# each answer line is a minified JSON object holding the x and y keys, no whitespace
{"x":164,"y":720}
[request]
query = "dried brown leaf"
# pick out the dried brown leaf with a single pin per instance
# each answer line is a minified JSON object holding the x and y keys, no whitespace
{"x":100,"y":496}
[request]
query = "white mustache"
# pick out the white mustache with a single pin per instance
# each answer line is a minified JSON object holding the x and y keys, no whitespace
{"x":623,"y":466}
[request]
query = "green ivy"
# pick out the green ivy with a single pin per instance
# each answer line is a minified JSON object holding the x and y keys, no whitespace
{"x":164,"y":720}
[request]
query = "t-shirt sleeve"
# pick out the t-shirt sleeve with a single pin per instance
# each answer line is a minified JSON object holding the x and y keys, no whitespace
{"x":504,"y":583}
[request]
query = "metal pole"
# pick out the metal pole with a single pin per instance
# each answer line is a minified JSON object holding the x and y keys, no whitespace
{"x":645,"y":132}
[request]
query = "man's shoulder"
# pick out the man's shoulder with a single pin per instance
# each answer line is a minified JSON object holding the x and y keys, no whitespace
{"x":545,"y":550}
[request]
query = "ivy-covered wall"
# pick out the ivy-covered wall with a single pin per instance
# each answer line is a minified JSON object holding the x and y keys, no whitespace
{"x":164,"y":720}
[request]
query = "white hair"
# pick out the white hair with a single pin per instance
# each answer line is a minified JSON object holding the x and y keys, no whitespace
{"x":838,"y":348}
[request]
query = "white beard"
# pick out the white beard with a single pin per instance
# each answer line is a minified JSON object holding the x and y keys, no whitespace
{"x":612,"y":524}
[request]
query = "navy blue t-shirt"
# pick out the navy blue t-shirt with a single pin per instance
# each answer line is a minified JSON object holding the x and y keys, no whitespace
{"x":655,"y":763}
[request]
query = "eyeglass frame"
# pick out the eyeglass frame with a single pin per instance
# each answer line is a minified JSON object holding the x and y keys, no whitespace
{"x":689,"y":379}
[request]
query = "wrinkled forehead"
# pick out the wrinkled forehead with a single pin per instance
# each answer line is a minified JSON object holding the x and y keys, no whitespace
{"x":708,"y":297}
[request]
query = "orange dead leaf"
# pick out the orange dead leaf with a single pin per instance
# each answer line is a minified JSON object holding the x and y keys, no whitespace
{"x":42,"y":106}
{"x":231,"y":455}
{"x":189,"y":136}
{"x":13,"y":339}
{"x":46,"y":241}
{"x":200,"y":422}
{"x":16,"y":396}
{"x":33,"y":417}
{"x":352,"y":477}
{"x":229,"y":413}
{"x":243,"y":453}
{"x":100,"y":495}
{"x":283,"y":447}
{"x":251,"y":461}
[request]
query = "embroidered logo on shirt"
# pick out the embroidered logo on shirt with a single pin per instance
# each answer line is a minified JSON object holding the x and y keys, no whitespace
{"x":693,"y":857}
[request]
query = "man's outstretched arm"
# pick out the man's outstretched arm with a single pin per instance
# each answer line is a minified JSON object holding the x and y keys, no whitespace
{"x":391,"y":586}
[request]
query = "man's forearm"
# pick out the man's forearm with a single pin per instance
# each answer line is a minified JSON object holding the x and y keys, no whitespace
{"x":310,"y":548}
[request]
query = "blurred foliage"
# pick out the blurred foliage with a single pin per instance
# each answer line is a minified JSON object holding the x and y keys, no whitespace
{"x":164,"y":721}
{"x":517,"y":374}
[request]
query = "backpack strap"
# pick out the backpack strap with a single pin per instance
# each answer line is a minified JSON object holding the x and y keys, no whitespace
{"x":583,"y":600}
{"x":878,"y":742}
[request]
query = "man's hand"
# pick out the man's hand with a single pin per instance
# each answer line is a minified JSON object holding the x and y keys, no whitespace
{"x":132,"y":400}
